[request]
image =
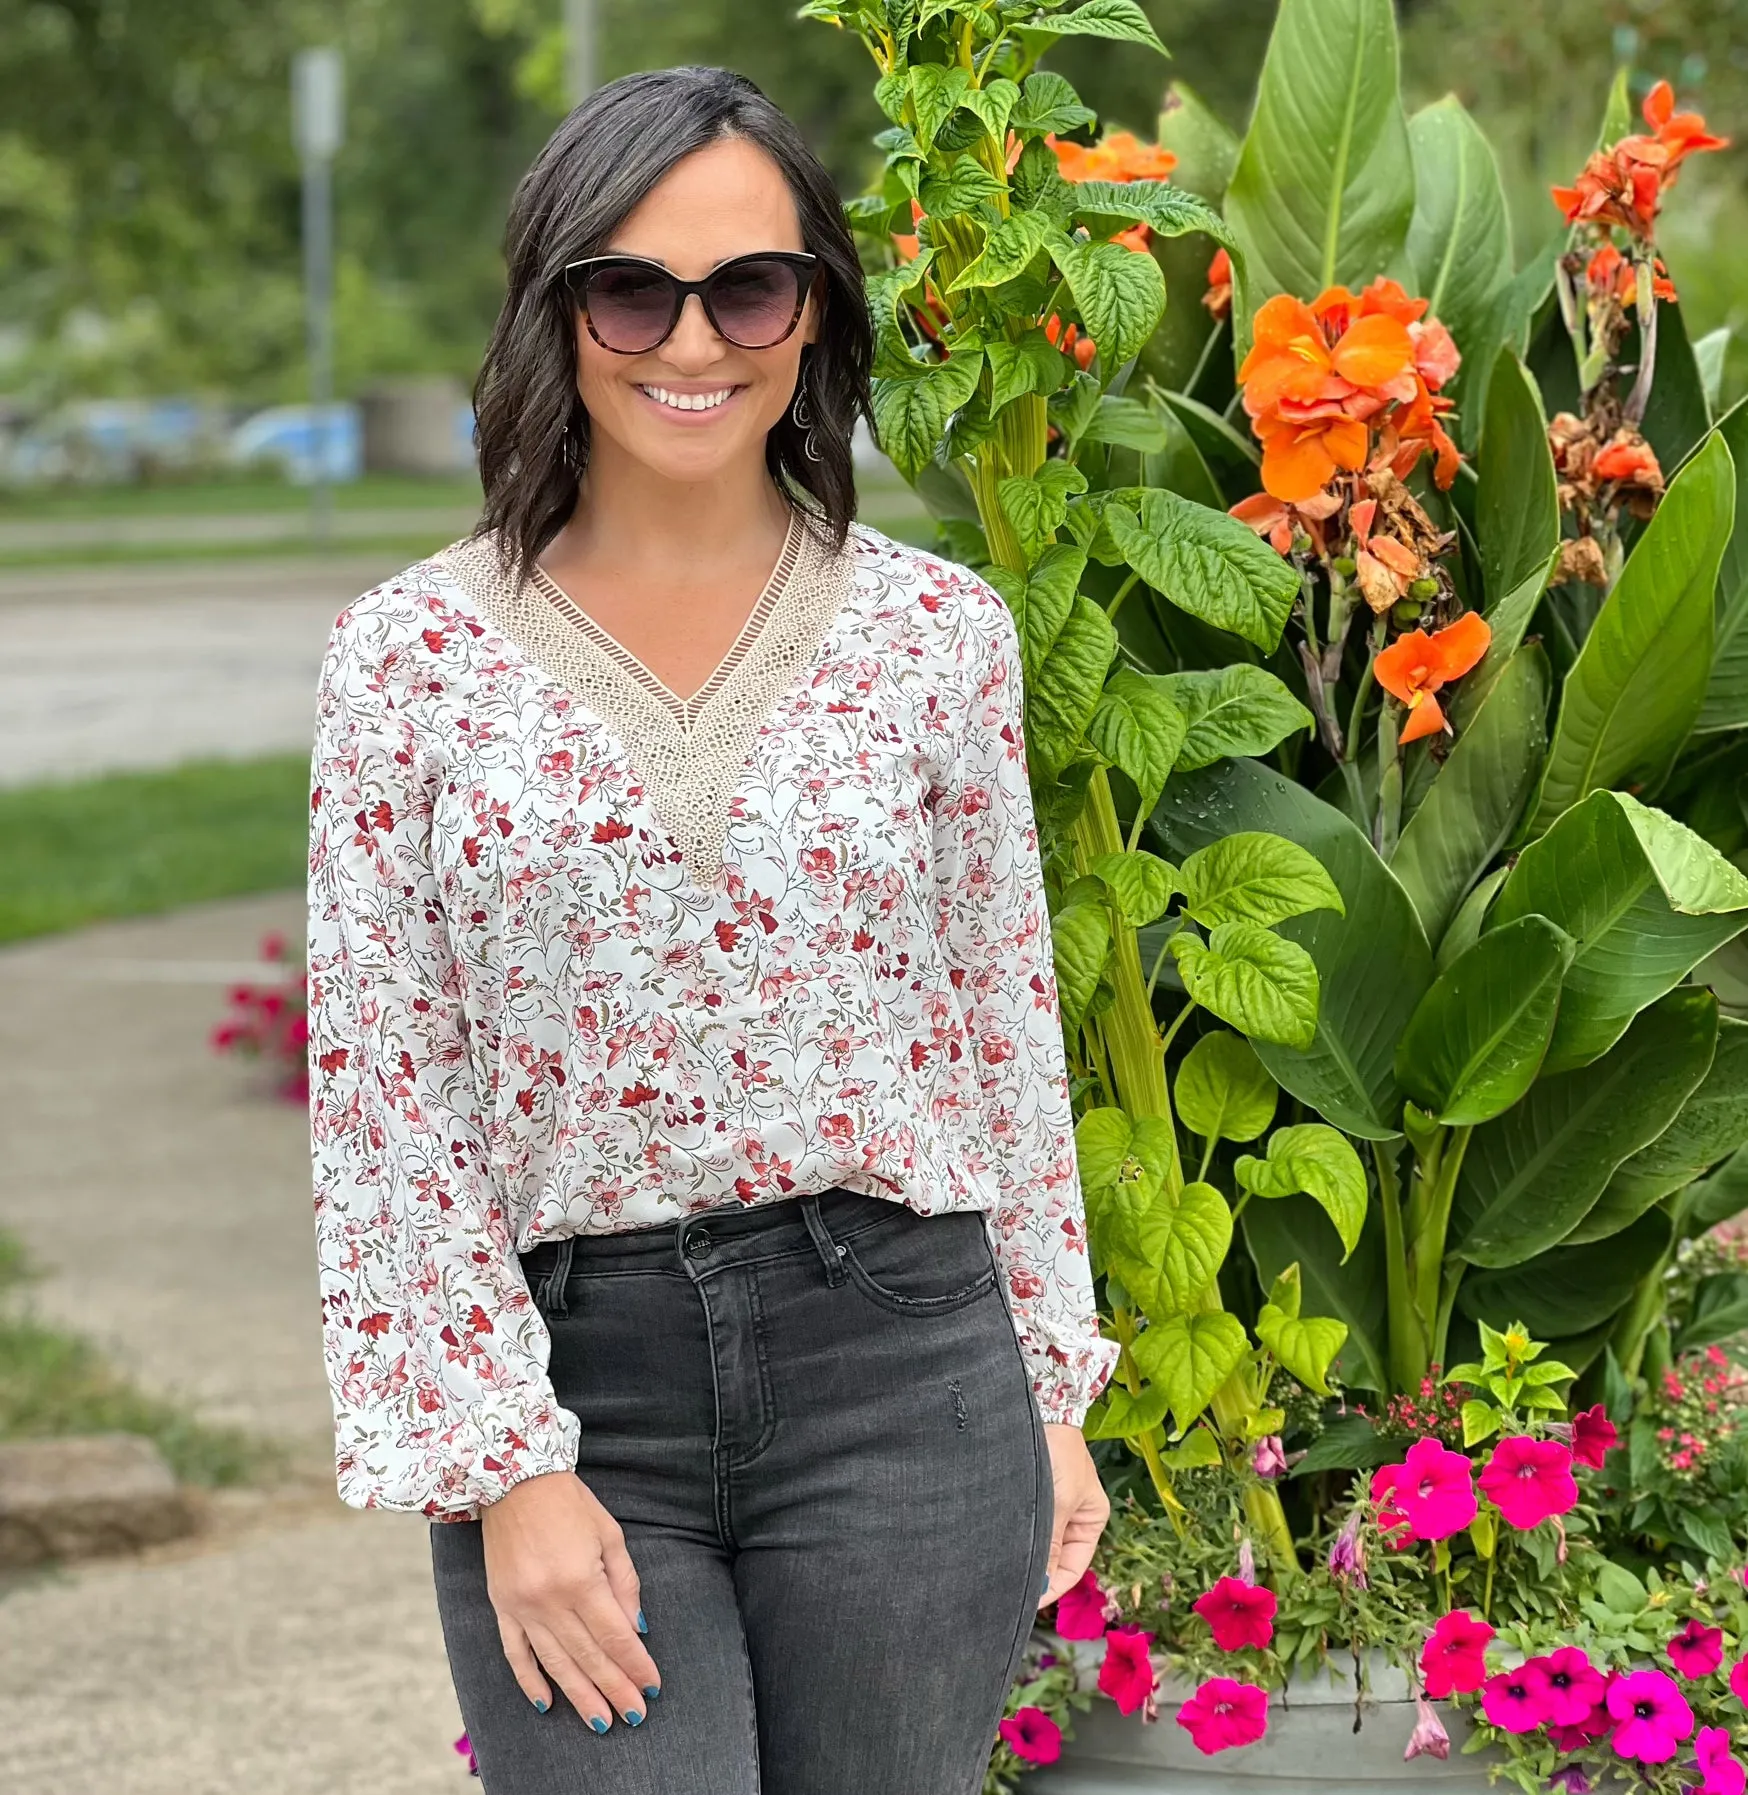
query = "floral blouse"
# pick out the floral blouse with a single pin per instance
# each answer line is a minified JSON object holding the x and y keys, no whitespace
{"x":585,"y":956}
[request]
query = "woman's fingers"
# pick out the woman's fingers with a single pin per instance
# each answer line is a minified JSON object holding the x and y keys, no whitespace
{"x":578,"y":1686}
{"x":622,"y":1579}
{"x":524,"y":1666}
{"x":595,"y":1636}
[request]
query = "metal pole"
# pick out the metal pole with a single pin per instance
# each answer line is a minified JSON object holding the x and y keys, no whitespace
{"x":580,"y":43}
{"x":318,"y":271}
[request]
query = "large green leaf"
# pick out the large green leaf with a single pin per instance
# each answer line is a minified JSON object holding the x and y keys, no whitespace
{"x":1530,"y":1176}
{"x":1316,"y":1161}
{"x":1459,"y":242}
{"x":1080,"y":943}
{"x":1479,"y":794}
{"x":1177,"y":1251}
{"x":1571,"y":1289}
{"x":1712,"y":1125}
{"x":1373,"y":964}
{"x":1720,"y":1312}
{"x":911,"y":409}
{"x":1223,"y":1091}
{"x":1480,"y":1034}
{"x":1295,"y":1230}
{"x":1715,"y":1199}
{"x":1232,"y":710}
{"x":1248,"y":976}
{"x":1726,"y":705}
{"x":1677,"y":415}
{"x":1206,"y":563}
{"x":1254,"y":877}
{"x":1137,"y":727}
{"x":1121,"y":20}
{"x":1638,"y":683}
{"x":1305,"y":1345}
{"x":1324,"y":188}
{"x":1645,"y":899}
{"x":1060,"y":702}
{"x":1119,"y":295}
{"x":1191,"y":1356}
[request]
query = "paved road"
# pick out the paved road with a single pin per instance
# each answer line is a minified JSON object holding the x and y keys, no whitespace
{"x":110,"y":668}
{"x":442,"y":523}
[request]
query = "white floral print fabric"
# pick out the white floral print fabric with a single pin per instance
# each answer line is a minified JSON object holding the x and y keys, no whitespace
{"x":528,"y":1018}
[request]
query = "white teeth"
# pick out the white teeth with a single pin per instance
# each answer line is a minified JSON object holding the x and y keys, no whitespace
{"x":687,"y":401}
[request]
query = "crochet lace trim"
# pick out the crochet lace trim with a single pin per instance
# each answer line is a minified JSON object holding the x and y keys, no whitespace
{"x":688,"y":752}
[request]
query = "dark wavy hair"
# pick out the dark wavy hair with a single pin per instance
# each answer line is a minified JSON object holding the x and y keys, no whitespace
{"x":533,"y":429}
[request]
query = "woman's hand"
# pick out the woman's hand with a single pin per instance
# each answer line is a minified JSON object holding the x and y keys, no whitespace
{"x":1082,"y":1508}
{"x":567,"y":1599}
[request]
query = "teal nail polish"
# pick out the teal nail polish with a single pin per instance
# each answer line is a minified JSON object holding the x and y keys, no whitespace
{"x":633,"y":1717}
{"x":652,"y":1690}
{"x":597,"y":1723}
{"x":642,"y":1624}
{"x":540,"y":1707}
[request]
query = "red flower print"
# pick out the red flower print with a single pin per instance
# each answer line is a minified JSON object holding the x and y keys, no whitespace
{"x":638,"y":1093}
{"x":610,"y":829}
{"x":374,"y":1325}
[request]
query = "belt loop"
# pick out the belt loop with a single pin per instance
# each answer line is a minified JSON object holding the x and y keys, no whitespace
{"x":830,"y":1253}
{"x":552,"y":1288}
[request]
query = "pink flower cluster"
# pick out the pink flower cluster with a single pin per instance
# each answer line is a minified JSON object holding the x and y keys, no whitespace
{"x":1127,"y":1675}
{"x":271,"y":1022}
{"x":1641,"y":1713}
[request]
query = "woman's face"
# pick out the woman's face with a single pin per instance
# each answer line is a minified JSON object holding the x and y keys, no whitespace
{"x":728,"y":199}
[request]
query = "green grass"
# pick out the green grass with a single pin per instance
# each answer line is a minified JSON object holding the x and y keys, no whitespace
{"x":53,"y":1382}
{"x":213,"y":496}
{"x":129,"y":844}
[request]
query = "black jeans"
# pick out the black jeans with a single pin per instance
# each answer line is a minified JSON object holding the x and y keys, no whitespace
{"x":813,"y":1422}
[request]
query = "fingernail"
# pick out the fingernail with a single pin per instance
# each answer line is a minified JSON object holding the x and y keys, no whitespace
{"x":642,"y":1624}
{"x":652,"y":1691}
{"x":540,"y":1707}
{"x":597,"y":1723}
{"x":633,"y":1717}
{"x":1042,"y":1593}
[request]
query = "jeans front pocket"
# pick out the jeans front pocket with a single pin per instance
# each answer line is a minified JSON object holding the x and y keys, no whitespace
{"x":922,"y":1265}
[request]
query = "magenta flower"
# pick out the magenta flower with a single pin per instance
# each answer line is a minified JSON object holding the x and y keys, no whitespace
{"x":1126,"y":1675}
{"x":1392,"y":1522}
{"x":464,"y":1746}
{"x":1513,"y":1702}
{"x":1651,"y":1716}
{"x":1032,"y":1735}
{"x":1529,"y":1481}
{"x":1347,"y":1554}
{"x":1239,"y":1614}
{"x":1570,"y":1687}
{"x":1081,"y":1612}
{"x":1223,"y":1714}
{"x":1268,"y":1458}
{"x":1594,"y":1437}
{"x":1739,"y":1681}
{"x":1571,"y":1781}
{"x":1436,"y":1490}
{"x":1723,"y":1774}
{"x":1429,"y":1738}
{"x":1697,"y":1650}
{"x":1454,"y":1659}
{"x":1595,"y":1725}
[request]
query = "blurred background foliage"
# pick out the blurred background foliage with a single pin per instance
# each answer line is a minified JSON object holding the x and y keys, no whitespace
{"x":149,"y":198}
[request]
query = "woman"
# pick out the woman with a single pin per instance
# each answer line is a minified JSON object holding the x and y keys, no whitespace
{"x":700,"y":1239}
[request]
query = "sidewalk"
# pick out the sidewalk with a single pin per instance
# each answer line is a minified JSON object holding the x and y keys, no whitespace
{"x":442,"y":523}
{"x":293,"y":1649}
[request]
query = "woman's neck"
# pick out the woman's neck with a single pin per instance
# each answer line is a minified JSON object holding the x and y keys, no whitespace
{"x":670,"y":532}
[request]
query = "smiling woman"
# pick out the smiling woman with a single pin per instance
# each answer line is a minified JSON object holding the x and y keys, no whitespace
{"x":696,"y":1204}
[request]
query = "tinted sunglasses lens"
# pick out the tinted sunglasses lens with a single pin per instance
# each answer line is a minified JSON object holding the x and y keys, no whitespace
{"x":629,"y":308}
{"x":755,"y":302}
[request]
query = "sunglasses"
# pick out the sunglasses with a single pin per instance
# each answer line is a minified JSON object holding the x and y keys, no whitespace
{"x":632,"y":306}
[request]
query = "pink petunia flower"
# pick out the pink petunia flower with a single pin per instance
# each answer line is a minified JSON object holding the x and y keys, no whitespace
{"x":1126,"y":1675}
{"x":1739,"y":1681}
{"x":1436,"y":1490}
{"x":1429,"y":1738}
{"x":1571,"y":1780}
{"x":1512,"y":1701}
{"x":1082,"y":1612}
{"x":1347,"y":1552}
{"x":1576,"y":1737}
{"x":1651,"y":1716}
{"x":1454,"y":1659}
{"x":1032,"y":1735}
{"x":1223,"y":1714}
{"x":464,"y":1746}
{"x":1723,"y":1774}
{"x":1697,"y":1650}
{"x":1392,"y":1522}
{"x":1571,"y":1688}
{"x":1239,"y":1614}
{"x":1529,"y":1481}
{"x":1268,"y":1458}
{"x":1594,"y":1437}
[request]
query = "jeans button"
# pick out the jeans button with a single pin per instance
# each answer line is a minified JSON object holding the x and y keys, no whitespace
{"x":698,"y":1244}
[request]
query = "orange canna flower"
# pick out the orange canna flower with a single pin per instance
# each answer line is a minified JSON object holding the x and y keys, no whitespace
{"x":909,"y":247}
{"x":1073,"y":342}
{"x":1218,"y":298}
{"x":1628,"y":457}
{"x":1136,"y":237}
{"x":1119,"y":157}
{"x":1625,"y":183}
{"x":1281,"y":524}
{"x":1611,"y":274}
{"x":1416,"y":666}
{"x":1300,"y":455}
{"x":1682,"y":134}
{"x":1291,"y":357}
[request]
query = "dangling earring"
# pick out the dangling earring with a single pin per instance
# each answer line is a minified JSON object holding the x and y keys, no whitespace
{"x":801,"y":414}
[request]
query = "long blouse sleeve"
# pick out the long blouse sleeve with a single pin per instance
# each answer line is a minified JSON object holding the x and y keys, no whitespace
{"x":436,"y":1354}
{"x":995,"y":930}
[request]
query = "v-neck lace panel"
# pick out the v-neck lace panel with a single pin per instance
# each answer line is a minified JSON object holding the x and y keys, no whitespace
{"x":686,"y":710}
{"x":688,"y":753}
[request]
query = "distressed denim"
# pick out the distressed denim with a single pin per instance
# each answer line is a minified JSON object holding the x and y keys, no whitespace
{"x":813,"y":1422}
